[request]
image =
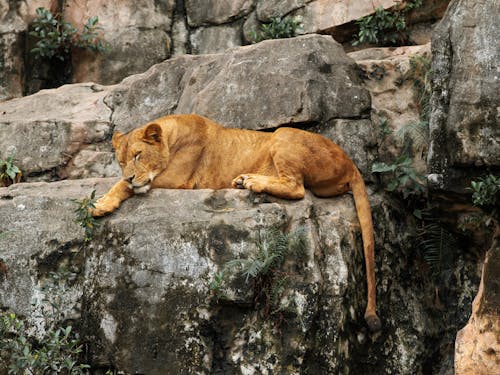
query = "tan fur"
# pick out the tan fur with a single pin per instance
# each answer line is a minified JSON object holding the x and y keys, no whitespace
{"x":193,"y":152}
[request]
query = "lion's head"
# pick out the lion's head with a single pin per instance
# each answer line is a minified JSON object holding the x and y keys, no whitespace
{"x":141,"y":156}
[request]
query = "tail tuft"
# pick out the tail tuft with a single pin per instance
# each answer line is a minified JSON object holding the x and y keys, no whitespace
{"x":373,"y":322}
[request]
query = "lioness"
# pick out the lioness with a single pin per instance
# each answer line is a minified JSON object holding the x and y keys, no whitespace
{"x":193,"y":152}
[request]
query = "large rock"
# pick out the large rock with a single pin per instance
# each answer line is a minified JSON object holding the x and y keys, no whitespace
{"x":392,"y":76}
{"x":15,"y":17}
{"x":138,"y":36}
{"x":205,"y":12}
{"x":141,"y":297}
{"x":464,"y":120}
{"x":307,"y":79}
{"x":59,"y":133}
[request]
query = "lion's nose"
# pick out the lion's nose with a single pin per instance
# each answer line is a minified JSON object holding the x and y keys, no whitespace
{"x":129,"y":178}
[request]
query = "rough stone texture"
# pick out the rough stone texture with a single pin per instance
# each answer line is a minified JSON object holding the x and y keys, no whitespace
{"x":216,"y":12}
{"x":310,"y":80}
{"x":215,"y":39}
{"x":266,"y":9}
{"x":141,"y":297}
{"x":464,"y":119}
{"x":15,"y":17}
{"x":477,"y":348}
{"x":324,"y":15}
{"x":55,"y":131}
{"x":392,"y":95}
{"x":137,"y":34}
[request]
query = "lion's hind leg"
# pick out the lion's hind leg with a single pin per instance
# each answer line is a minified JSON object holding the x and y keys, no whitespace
{"x":281,"y":187}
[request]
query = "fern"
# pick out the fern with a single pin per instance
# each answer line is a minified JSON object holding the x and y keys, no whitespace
{"x":438,"y":247}
{"x":418,"y":132}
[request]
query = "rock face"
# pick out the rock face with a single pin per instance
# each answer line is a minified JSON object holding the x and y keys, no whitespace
{"x":128,"y":27}
{"x":160,"y":29}
{"x":464,"y":119}
{"x":477,"y":348}
{"x":141,"y":296}
{"x":311,"y":80}
{"x":59,"y":133}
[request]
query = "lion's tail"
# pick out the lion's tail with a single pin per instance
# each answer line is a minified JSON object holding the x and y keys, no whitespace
{"x":365,"y":219}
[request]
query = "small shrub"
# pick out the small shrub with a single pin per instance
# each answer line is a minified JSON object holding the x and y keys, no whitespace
{"x":277,"y":28}
{"x":9,"y":173}
{"x":264,"y":269}
{"x":84,"y":217}
{"x":56,"y":352}
{"x":385,"y":27}
{"x":485,"y":191}
{"x":56,"y":37}
{"x":404,"y":177}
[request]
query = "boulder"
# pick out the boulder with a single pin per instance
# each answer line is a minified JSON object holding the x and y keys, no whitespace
{"x":127,"y":27}
{"x":15,"y":17}
{"x":395,"y":102}
{"x":307,"y":79}
{"x":55,"y":134}
{"x":141,"y":297}
{"x":464,"y":119}
{"x":216,"y":12}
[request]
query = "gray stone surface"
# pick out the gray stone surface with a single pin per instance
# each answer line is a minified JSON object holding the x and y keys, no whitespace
{"x":276,"y":82}
{"x":465,"y":117}
{"x":141,"y":297}
{"x":216,"y":12}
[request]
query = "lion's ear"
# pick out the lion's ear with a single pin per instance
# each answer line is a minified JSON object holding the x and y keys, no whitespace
{"x":117,"y":139}
{"x":152,"y":133}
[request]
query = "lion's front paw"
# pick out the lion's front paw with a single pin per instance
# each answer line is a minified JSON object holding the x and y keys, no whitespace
{"x":250,"y":182}
{"x":104,"y":206}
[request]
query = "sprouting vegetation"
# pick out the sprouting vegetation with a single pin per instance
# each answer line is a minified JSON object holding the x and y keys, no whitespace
{"x":404,"y":178}
{"x":56,"y":37}
{"x":84,"y":217}
{"x":264,"y":269}
{"x":386,"y":26}
{"x":277,"y":28}
{"x":9,"y":172}
{"x":485,"y":191}
{"x":57,"y":351}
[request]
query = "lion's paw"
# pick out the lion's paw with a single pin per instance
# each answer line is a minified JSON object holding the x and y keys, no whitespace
{"x":250,"y":182}
{"x":103,"y":207}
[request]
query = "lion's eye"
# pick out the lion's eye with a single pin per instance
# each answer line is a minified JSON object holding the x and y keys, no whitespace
{"x":137,"y":156}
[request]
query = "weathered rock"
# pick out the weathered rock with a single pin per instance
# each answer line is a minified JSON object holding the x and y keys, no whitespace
{"x":215,"y":39}
{"x":477,"y":348}
{"x":395,"y":104}
{"x":141,"y":297}
{"x":15,"y":16}
{"x":46,"y":132}
{"x":267,"y":9}
{"x":128,"y":27}
{"x":307,"y":79}
{"x":324,"y":15}
{"x":464,"y":119}
{"x":216,"y":12}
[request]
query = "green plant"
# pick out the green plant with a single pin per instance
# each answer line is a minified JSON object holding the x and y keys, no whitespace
{"x":438,"y":247}
{"x":384,"y":129}
{"x":84,"y":217}
{"x":277,"y":28}
{"x":264,"y":269}
{"x":9,"y":173}
{"x":485,"y":191}
{"x":386,"y":27}
{"x":56,"y":37}
{"x":56,"y":351}
{"x":404,"y":177}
